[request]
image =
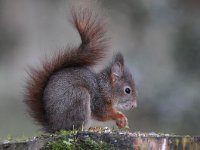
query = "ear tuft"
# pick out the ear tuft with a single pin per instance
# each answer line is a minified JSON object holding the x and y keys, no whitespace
{"x":118,"y":58}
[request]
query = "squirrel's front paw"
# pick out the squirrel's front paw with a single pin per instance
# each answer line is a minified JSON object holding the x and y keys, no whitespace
{"x":122,"y":122}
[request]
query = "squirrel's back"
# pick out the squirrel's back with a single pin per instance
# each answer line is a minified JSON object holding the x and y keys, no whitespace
{"x":91,"y":50}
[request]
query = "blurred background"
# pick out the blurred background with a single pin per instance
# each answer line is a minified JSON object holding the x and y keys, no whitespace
{"x":160,"y":41}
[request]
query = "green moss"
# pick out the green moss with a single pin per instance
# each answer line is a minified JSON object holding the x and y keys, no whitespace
{"x":70,"y":144}
{"x":68,"y":141}
{"x":60,"y":145}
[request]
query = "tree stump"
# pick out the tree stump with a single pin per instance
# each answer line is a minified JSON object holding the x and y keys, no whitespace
{"x":117,"y":140}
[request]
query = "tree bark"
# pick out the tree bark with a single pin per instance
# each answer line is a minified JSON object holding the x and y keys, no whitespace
{"x":116,"y":140}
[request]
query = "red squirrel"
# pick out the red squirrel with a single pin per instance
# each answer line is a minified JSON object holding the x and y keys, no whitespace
{"x":65,"y":93}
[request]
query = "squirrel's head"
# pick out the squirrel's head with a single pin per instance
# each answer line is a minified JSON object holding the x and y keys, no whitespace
{"x":123,"y":88}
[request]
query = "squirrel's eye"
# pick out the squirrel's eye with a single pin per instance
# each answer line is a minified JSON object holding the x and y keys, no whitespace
{"x":127,"y":90}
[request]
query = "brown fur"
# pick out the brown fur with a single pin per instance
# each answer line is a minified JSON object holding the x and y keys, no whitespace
{"x":91,"y":50}
{"x":111,"y":114}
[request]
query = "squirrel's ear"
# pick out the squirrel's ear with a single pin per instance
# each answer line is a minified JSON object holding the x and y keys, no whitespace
{"x":116,"y":70}
{"x":117,"y":67}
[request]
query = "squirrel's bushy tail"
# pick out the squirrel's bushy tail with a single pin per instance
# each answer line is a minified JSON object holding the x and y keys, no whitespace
{"x":91,"y":50}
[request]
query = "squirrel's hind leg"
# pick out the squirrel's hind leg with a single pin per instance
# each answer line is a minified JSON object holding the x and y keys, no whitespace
{"x":81,"y":114}
{"x":75,"y":112}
